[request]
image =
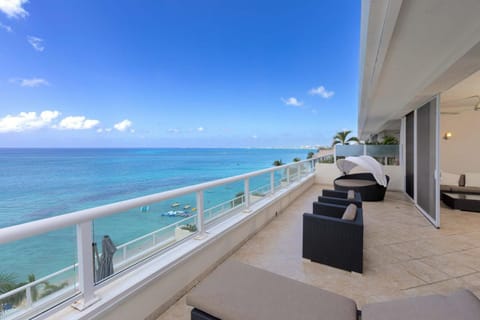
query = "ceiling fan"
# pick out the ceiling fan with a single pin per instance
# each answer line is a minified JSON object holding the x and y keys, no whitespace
{"x":455,"y":107}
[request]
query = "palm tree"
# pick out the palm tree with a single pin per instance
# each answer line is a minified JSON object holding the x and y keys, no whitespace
{"x":296,"y":159}
{"x":310,"y":155}
{"x":278,"y":163}
{"x":341,"y":138}
{"x":389,"y":140}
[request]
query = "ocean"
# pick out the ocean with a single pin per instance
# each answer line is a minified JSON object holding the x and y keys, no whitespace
{"x":41,"y":183}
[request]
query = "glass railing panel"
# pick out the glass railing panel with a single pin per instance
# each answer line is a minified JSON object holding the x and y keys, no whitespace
{"x":260,"y":187}
{"x":37,"y":273}
{"x":124,"y":239}
{"x":343,"y":151}
{"x":281,"y":180}
{"x":385,"y":154}
{"x":222,"y":200}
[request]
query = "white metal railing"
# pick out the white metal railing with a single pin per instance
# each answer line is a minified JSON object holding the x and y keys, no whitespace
{"x":83,"y":221}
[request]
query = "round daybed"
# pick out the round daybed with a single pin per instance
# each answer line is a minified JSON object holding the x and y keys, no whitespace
{"x":364,"y":183}
{"x":371,"y":184}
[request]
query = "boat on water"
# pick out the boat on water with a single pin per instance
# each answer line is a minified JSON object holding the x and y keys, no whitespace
{"x":176,"y":213}
{"x":175,"y":204}
{"x":193,"y":209}
{"x":187,"y":207}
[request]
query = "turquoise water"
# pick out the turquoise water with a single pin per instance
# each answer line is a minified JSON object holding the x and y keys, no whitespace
{"x":41,"y":183}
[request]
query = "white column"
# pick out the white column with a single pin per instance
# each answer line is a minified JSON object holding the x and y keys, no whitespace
{"x":272,"y":182}
{"x":246,"y":191}
{"x":86,"y":280}
{"x":200,"y":216}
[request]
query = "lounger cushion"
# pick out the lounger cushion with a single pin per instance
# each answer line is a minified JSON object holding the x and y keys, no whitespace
{"x":239,"y":291}
{"x":350,"y":212}
{"x":460,"y":305}
{"x":355,"y":183}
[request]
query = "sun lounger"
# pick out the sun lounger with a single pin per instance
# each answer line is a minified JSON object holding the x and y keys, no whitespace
{"x":236,"y":291}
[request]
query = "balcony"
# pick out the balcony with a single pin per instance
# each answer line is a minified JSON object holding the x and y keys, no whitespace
{"x":403,"y":254}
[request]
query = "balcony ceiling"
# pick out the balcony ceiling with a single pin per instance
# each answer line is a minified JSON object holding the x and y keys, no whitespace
{"x":410,"y":51}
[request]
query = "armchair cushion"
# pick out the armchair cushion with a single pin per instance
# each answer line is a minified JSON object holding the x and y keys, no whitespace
{"x":350,"y":212}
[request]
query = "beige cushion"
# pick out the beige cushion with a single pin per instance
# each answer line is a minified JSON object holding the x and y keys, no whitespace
{"x":239,"y":291}
{"x":350,"y":212}
{"x":448,"y":178}
{"x":472,"y":179}
{"x":354,"y":183}
{"x":460,"y":305}
{"x":351,"y":195}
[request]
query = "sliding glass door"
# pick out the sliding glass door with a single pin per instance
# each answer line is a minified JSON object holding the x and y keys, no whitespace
{"x":421,"y":159}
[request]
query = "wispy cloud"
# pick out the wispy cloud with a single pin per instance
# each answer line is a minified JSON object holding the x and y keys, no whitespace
{"x":33,"y":82}
{"x":27,"y":121}
{"x":292,"y":101}
{"x":36,"y":42}
{"x":322,"y":92}
{"x":173,"y":130}
{"x":77,"y":123}
{"x":5,"y":27}
{"x":200,"y":129}
{"x":13,"y":8}
{"x":123,"y":125}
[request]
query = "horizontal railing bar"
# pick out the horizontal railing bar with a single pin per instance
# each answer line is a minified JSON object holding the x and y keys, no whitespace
{"x":29,"y":229}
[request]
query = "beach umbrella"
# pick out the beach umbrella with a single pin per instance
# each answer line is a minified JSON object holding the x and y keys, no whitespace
{"x":105,"y":261}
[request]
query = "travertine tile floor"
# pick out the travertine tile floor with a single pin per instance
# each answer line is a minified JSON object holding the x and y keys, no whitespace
{"x":403,"y":254}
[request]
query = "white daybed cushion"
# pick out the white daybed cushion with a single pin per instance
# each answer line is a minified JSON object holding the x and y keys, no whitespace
{"x":472,"y":179}
{"x":450,"y":179}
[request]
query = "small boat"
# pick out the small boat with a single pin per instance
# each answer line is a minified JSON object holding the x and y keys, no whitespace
{"x":175,"y":204}
{"x":187,"y":206}
{"x":193,"y":209}
{"x":176,"y":213}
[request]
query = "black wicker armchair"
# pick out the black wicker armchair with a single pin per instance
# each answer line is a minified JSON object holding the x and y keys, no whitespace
{"x":340,"y":198}
{"x":364,"y":183}
{"x":330,"y":240}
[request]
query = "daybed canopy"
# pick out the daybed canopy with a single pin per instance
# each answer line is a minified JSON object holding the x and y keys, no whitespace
{"x":366,"y":163}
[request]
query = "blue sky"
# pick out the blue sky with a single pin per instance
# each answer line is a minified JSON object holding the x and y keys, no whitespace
{"x":177,"y":73}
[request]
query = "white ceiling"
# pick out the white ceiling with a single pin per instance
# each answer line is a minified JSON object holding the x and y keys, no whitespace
{"x":434,"y":45}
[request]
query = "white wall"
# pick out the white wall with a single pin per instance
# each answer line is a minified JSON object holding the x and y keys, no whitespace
{"x":461,"y":153}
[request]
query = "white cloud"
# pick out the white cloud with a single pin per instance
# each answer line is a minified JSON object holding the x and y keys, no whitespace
{"x":123,"y":125}
{"x":173,"y":130}
{"x":132,"y":130}
{"x":5,"y":27}
{"x":322,"y":92}
{"x":33,"y":82}
{"x":27,"y":121}
{"x":13,"y":8}
{"x":200,"y":129}
{"x":292,"y":101}
{"x":77,"y":123}
{"x":100,"y":130}
{"x":254,"y":136}
{"x":37,"y":43}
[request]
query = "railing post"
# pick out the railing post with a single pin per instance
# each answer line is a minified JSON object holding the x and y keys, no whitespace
{"x":124,"y":251}
{"x":200,"y":217}
{"x":298,"y":172}
{"x":85,"y":266}
{"x":364,"y":149}
{"x":272,"y":182}
{"x":28,"y":292}
{"x":246,"y":194}
{"x":288,"y":176}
